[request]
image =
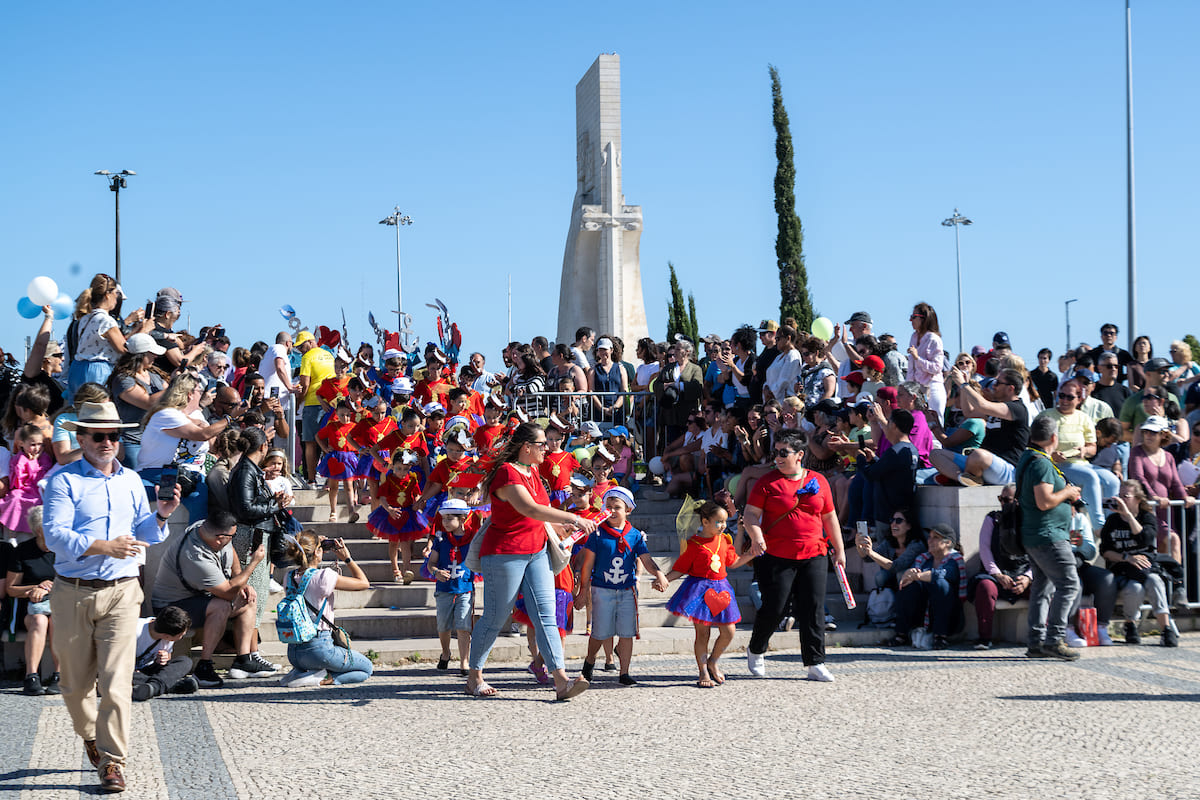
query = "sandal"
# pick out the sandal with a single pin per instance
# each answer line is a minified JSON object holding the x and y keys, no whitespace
{"x":333,"y":516}
{"x":482,"y":689}
{"x":539,"y":673}
{"x":396,"y":576}
{"x":717,"y":676}
{"x":443,"y":663}
{"x":705,"y":683}
{"x":575,"y":687}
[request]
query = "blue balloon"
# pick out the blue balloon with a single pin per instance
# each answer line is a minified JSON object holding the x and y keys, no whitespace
{"x":27,"y":309}
{"x":63,"y":306}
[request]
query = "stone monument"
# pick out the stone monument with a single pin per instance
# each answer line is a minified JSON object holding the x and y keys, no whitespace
{"x":601,"y":274}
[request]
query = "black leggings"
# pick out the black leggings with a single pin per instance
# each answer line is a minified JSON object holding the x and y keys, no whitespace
{"x":803,"y":582}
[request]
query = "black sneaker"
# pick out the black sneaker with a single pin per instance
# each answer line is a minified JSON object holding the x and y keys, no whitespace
{"x":207,"y":677}
{"x":1170,"y":637}
{"x":1131,"y":633}
{"x":148,"y":689}
{"x":33,"y":685}
{"x":251,"y":666}
{"x":625,"y":680}
{"x":610,"y":666}
{"x":51,"y":685}
{"x":1036,"y":652}
{"x":188,"y":685}
{"x":1060,"y":651}
{"x":586,"y":672}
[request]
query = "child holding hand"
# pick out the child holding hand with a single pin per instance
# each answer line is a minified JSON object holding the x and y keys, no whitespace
{"x":609,"y":578}
{"x":705,"y":597}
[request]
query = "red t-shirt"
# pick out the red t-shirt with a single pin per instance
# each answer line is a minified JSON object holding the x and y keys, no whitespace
{"x":396,"y":440}
{"x":557,"y":469}
{"x":445,"y":472}
{"x":599,"y":490}
{"x":337,"y":435}
{"x":427,"y":391}
{"x":696,"y":559}
{"x":511,"y":532}
{"x":369,"y":432}
{"x":331,"y":389}
{"x":801,"y":533}
{"x":399,"y":492}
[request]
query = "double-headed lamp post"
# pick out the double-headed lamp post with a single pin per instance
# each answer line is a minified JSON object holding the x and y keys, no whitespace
{"x":397,"y":220}
{"x":955,"y":222}
{"x":116,"y":182}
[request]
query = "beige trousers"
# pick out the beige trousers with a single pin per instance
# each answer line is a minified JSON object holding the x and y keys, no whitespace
{"x":95,"y":633}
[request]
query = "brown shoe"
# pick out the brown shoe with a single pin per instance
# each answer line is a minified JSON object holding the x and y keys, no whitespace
{"x":111,"y":778}
{"x":93,"y":752}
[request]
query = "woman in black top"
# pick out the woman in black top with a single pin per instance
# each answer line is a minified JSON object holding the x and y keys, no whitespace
{"x":255,"y":507}
{"x":29,"y":578}
{"x":1128,"y":542}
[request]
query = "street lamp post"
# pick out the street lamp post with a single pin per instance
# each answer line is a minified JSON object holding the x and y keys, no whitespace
{"x":397,"y":219}
{"x":1130,"y":242}
{"x":1067,"y":308}
{"x":116,"y":182}
{"x":955,"y":222}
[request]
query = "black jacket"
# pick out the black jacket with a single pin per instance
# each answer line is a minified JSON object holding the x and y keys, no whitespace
{"x":250,"y":499}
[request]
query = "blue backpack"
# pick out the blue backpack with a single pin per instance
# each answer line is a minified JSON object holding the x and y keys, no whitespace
{"x":293,"y":622}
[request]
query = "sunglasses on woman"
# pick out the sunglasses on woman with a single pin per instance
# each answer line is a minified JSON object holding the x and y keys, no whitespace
{"x":102,"y":437}
{"x":779,"y":453}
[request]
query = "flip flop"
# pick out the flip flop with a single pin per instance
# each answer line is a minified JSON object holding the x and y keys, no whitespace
{"x":482,"y":689}
{"x":539,"y":673}
{"x":717,"y":679}
{"x":575,"y":687}
{"x":705,"y":683}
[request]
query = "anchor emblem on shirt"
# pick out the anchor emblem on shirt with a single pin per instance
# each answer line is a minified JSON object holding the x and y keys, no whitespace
{"x":617,"y":573}
{"x":456,"y":571}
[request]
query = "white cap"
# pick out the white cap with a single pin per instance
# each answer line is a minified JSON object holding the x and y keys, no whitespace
{"x":454,"y":506}
{"x":144,"y":343}
{"x":604,"y":344}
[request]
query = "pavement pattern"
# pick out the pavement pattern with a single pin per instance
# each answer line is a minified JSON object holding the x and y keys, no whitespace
{"x":896,"y":724}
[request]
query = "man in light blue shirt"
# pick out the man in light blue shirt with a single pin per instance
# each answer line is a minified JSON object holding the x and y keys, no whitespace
{"x":97,"y":521}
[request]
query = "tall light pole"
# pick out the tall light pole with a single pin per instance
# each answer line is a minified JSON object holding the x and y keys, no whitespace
{"x":1132,"y":331}
{"x":397,"y":220}
{"x":1067,"y":308}
{"x":116,"y":182}
{"x":955,"y":222}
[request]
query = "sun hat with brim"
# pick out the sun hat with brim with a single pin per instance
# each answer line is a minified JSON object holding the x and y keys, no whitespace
{"x":142,"y":343}
{"x":96,"y":415}
{"x":1156,"y":424}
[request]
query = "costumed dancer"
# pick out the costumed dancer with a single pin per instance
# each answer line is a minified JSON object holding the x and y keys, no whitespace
{"x":340,"y":461}
{"x":365,"y":436}
{"x":396,"y":519}
{"x":610,"y":579}
{"x":705,"y":597}
{"x":457,"y":461}
{"x":559,"y":465}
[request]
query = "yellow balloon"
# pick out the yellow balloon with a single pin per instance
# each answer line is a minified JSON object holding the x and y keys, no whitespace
{"x":822,"y":328}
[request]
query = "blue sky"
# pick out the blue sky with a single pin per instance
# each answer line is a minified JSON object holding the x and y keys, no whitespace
{"x":270,"y":138}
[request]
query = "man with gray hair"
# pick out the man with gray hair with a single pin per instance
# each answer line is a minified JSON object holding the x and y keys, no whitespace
{"x":1046,"y":498}
{"x":1007,"y":431}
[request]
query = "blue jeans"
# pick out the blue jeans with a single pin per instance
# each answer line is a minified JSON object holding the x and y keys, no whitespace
{"x":196,"y":503}
{"x":1052,"y":595}
{"x":344,"y":666}
{"x":503,"y":576}
{"x":937,"y":597}
{"x":1090,"y":489}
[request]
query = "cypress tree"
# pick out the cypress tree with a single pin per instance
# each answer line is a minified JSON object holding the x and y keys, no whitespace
{"x":794,"y":297}
{"x":693,"y":326}
{"x":677,"y":321}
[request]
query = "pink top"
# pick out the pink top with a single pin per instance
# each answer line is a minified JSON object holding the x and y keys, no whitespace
{"x":926,"y":366}
{"x":1159,"y":481}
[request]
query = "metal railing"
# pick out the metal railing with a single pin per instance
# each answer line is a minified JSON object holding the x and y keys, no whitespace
{"x":1189,"y":536}
{"x":638,"y":412}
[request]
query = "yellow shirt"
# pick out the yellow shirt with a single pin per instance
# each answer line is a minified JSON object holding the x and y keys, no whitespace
{"x":317,"y":365}
{"x":1073,"y":432}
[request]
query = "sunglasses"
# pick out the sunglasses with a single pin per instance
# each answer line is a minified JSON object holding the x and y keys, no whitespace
{"x":101,"y":437}
{"x":1152,"y":397}
{"x":898,"y":520}
{"x":782,"y":453}
{"x":1062,"y":396}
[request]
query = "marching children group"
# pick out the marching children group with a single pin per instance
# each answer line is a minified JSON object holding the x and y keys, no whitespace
{"x":410,"y":457}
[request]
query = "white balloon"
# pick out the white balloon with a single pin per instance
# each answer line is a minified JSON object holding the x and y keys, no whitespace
{"x":656,"y":465}
{"x":42,"y":290}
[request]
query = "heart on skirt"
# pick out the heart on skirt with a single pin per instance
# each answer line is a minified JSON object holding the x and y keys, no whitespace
{"x":335,"y":468}
{"x":717,"y":601}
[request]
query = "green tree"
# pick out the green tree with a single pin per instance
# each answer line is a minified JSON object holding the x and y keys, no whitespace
{"x":1194,"y":344}
{"x":794,"y":297}
{"x":693,"y":326}
{"x":677,"y":320}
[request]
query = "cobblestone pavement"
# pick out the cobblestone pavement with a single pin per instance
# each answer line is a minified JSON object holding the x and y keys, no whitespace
{"x":1119,"y":723}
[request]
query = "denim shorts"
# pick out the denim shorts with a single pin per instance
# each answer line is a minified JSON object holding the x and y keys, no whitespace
{"x":309,"y":423}
{"x":41,"y":607}
{"x":614,"y":613}
{"x":998,"y":473}
{"x":454,"y":611}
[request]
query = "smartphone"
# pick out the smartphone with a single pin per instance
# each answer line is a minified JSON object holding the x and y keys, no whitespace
{"x":328,"y":544}
{"x":166,"y":482}
{"x":863,"y":528}
{"x":149,"y":309}
{"x":183,"y":364}
{"x":203,"y":334}
{"x":256,"y":540}
{"x":862,"y":441}
{"x":218,"y":333}
{"x":274,"y":392}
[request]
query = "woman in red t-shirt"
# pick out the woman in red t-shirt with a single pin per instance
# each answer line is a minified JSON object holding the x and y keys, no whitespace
{"x":513,"y":558}
{"x":792,"y":525}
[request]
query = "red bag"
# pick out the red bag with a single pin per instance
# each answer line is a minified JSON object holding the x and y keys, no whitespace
{"x":1086,"y":624}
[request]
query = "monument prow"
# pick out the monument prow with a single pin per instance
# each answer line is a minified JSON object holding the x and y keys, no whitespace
{"x":601,"y":274}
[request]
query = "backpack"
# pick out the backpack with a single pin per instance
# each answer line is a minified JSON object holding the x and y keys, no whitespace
{"x":1007,"y":531}
{"x":881,"y":607}
{"x":293,"y":623}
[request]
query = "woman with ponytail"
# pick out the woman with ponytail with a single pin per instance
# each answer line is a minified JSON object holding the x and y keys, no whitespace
{"x":513,"y":558}
{"x":319,"y":661}
{"x":98,"y":338}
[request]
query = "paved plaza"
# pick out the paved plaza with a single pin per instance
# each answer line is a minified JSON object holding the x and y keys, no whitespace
{"x":1119,"y":723}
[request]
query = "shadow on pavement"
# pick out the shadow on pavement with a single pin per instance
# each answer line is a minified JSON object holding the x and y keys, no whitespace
{"x":1104,"y":697}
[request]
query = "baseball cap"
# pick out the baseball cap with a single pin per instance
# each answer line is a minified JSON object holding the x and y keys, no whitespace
{"x":140,"y":343}
{"x":1001,"y":340}
{"x":1157,"y":364}
{"x":302,"y":337}
{"x":874,"y":362}
{"x":768,"y":325}
{"x":1085,"y":375}
{"x":855,"y":377}
{"x":860,"y":316}
{"x":1156,"y":424}
{"x":604,"y":344}
{"x":590,"y":428}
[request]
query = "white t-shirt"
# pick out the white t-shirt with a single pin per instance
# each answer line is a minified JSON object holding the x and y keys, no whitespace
{"x":92,"y":344}
{"x":160,"y":447}
{"x":320,"y":587}
{"x":645,"y":372}
{"x":270,"y":373}
{"x":146,"y":649}
{"x":713,"y":436}
{"x":783,"y":372}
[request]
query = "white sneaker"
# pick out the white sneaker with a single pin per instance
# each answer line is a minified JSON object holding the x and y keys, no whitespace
{"x":1102,"y":635}
{"x":291,"y":676}
{"x":757,"y":662}
{"x":276,"y":586}
{"x":307,"y":679}
{"x":1073,"y":639}
{"x":820,"y":672}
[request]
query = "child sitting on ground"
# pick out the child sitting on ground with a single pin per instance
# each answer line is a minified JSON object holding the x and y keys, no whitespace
{"x":455,"y":590}
{"x":609,"y":578}
{"x":155,"y":672}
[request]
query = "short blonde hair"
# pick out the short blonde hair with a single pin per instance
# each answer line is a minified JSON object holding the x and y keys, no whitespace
{"x":34,"y":517}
